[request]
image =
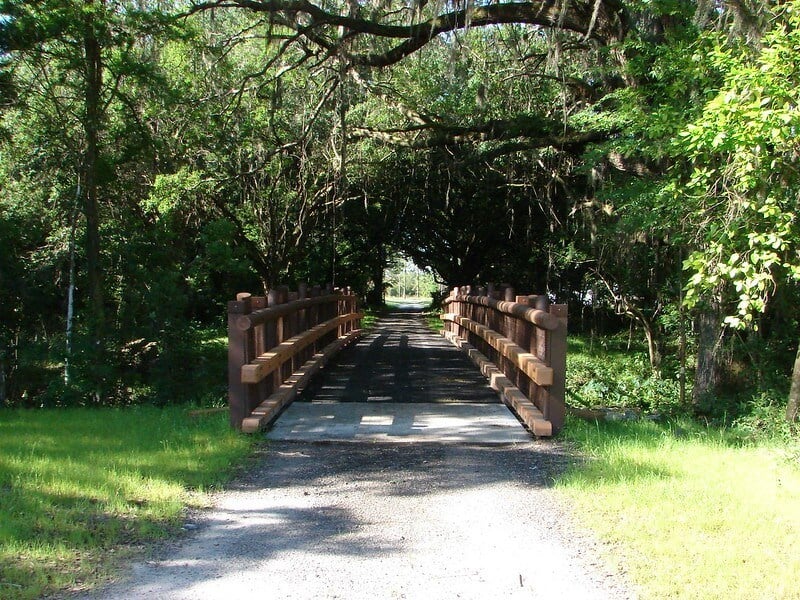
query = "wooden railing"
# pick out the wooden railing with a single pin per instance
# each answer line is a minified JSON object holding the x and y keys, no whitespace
{"x":520,"y":343}
{"x":277,"y":342}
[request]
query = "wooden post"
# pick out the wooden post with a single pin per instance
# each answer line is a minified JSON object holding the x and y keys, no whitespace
{"x":302,"y":318}
{"x":555,"y":408}
{"x":262,"y":389}
{"x":257,"y":303}
{"x":510,"y":331}
{"x":349,"y":307}
{"x":281,"y":332}
{"x":241,"y":350}
{"x":273,"y":329}
{"x":291,"y":325}
{"x":341,"y":305}
{"x":313,"y":316}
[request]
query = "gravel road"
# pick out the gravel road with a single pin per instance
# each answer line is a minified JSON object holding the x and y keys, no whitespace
{"x":370,"y":521}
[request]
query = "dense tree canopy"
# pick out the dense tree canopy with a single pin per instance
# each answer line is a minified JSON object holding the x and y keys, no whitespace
{"x":637,"y":159}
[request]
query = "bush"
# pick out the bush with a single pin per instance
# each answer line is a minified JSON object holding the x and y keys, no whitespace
{"x":185,"y":364}
{"x":613,"y":377}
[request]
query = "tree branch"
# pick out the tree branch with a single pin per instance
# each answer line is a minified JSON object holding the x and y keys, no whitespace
{"x":517,"y":135}
{"x":602,"y":20}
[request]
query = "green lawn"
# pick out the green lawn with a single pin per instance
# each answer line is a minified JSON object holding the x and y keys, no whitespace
{"x":79,"y":487}
{"x":690,"y":512}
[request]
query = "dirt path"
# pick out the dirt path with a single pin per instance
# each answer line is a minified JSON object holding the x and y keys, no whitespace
{"x":367,"y":520}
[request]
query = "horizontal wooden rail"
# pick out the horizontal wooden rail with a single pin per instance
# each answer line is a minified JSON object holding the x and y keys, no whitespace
{"x":536,"y":316}
{"x":268,"y":410}
{"x":520,"y":343}
{"x":512,"y":396}
{"x":531,"y":365}
{"x":276,"y":341}
{"x":259,"y":317}
{"x":266,"y":363}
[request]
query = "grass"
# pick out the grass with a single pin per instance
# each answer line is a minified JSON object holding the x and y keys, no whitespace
{"x":690,"y":512}
{"x":81,"y":488}
{"x":371,"y":316}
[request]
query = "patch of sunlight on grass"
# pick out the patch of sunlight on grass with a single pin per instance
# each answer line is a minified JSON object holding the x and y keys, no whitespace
{"x":371,"y":316}
{"x":689,"y":513}
{"x":80,"y":486}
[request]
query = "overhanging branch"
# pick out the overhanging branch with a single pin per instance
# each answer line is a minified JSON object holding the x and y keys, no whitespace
{"x":602,"y":20}
{"x":512,"y":135}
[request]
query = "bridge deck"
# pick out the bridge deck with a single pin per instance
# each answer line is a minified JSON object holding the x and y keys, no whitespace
{"x":400,"y":383}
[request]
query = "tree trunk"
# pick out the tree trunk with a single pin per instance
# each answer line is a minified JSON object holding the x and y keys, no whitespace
{"x":375,"y":295}
{"x":93,"y":72}
{"x":709,"y":372}
{"x":3,"y":393}
{"x":652,"y":349}
{"x":71,"y":288}
{"x":71,"y":295}
{"x":650,"y":333}
{"x":793,"y":407}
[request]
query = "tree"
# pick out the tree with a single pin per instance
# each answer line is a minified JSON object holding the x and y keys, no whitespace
{"x":75,"y":122}
{"x":743,"y":184}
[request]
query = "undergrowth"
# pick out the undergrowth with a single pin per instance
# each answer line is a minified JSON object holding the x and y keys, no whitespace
{"x":186,"y":365}
{"x":610,"y":373}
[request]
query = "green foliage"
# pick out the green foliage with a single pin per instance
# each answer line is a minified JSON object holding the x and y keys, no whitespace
{"x":743,"y":182}
{"x":765,"y":418}
{"x":405,"y":279}
{"x":179,"y":364}
{"x":231,"y":158}
{"x":603,"y":373}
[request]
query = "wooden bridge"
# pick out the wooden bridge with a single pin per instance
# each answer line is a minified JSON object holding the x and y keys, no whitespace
{"x":278,"y":342}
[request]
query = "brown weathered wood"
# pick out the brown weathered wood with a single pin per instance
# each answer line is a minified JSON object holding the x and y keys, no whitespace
{"x":526,"y":362}
{"x":279,"y":310}
{"x":257,"y":325}
{"x":268,"y":410}
{"x":523,"y":337}
{"x":540,"y":318}
{"x":525,"y":410}
{"x":555,"y":408}
{"x":241,"y":350}
{"x":261,"y":366}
